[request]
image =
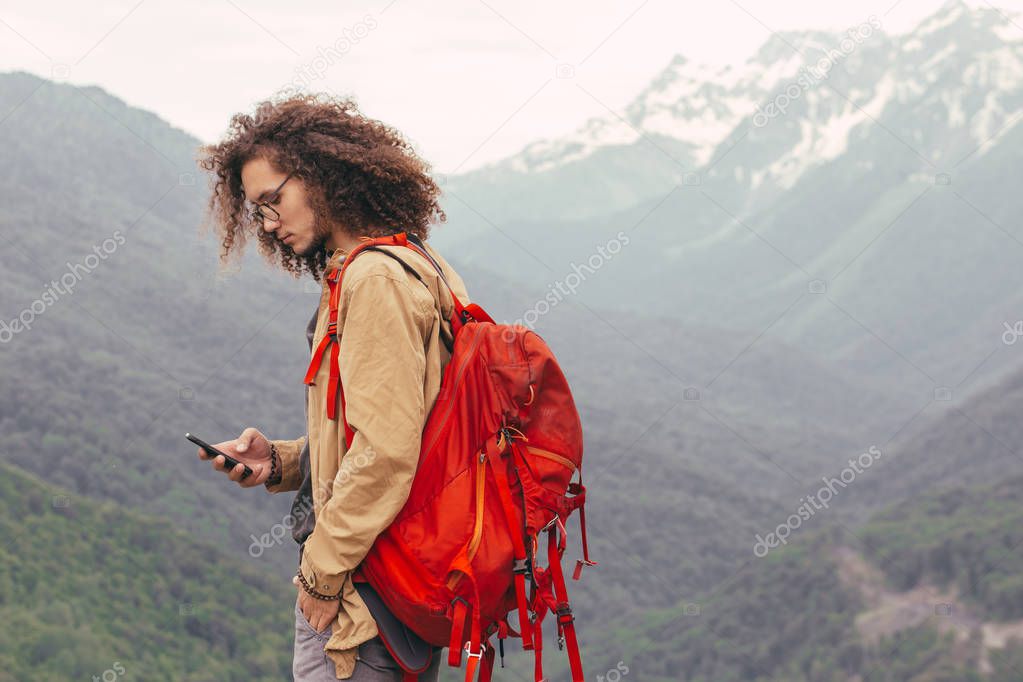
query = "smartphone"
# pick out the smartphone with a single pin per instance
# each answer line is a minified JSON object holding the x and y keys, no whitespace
{"x":229,"y":461}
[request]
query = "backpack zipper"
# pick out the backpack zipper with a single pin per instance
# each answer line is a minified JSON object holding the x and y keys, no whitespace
{"x":477,"y":529}
{"x":553,"y":456}
{"x":481,"y":478}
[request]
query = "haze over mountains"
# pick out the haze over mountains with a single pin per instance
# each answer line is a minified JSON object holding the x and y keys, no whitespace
{"x":792,"y":294}
{"x":874,"y":222}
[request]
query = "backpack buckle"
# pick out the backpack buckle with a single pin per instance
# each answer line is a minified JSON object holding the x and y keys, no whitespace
{"x":565,"y":618}
{"x":522,"y":566}
{"x":471,"y":654}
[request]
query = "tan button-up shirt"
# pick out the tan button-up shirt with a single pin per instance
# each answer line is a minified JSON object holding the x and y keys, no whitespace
{"x":393,"y":331}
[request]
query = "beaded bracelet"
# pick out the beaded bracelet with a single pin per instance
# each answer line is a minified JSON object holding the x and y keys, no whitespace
{"x":309,"y":590}
{"x":275,"y":474}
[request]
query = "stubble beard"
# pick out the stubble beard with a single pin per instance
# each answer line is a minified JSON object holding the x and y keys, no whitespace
{"x":321,"y":232}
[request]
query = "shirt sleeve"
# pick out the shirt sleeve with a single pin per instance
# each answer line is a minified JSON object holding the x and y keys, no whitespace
{"x":382,"y":360}
{"x":291,"y":475}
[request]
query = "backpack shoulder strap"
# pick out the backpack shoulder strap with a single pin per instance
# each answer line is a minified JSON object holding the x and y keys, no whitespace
{"x":422,"y":248}
{"x":411,"y":270}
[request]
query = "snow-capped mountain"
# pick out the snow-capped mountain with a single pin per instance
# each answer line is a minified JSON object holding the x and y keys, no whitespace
{"x":695,"y":104}
{"x":860,"y":187}
{"x":951,"y":85}
{"x":830,"y":83}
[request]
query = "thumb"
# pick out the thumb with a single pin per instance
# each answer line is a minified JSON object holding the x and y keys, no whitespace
{"x":243,"y":440}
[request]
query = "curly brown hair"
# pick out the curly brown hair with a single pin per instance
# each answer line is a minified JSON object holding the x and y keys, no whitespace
{"x":362,"y":175}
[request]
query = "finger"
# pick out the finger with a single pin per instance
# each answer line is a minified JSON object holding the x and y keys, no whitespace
{"x":218,"y":462}
{"x":202,"y":454}
{"x":251,"y":479}
{"x":257,"y":477}
{"x":238,"y":472}
{"x":235,"y":474}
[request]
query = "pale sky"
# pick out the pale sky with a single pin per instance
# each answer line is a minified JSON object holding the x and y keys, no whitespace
{"x":468,"y":81}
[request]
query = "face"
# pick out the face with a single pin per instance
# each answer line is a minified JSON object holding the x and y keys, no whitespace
{"x":297,"y":228}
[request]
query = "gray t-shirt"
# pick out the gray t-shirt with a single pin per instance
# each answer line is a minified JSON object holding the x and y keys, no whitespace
{"x":302,"y":508}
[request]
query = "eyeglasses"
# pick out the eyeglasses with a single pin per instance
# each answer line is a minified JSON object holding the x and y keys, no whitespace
{"x":264,"y":211}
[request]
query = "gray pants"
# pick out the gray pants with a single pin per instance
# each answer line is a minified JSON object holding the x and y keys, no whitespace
{"x":375,"y":663}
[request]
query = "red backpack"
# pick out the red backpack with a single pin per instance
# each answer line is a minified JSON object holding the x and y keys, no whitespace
{"x":500,"y":446}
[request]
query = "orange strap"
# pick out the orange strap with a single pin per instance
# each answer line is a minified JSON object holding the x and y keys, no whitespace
{"x":521,"y":566}
{"x":457,"y":632}
{"x":566,"y":621}
{"x":476,"y":648}
{"x":462,"y":315}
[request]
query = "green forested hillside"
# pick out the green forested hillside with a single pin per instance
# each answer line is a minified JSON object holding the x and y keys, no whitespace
{"x":144,"y":595}
{"x":969,"y":539}
{"x":801,"y":613}
{"x":150,"y":342}
{"x":87,"y":587}
{"x":975,"y":442}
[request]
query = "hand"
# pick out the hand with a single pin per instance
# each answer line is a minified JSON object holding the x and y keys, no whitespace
{"x":251,"y":448}
{"x":319,"y":612}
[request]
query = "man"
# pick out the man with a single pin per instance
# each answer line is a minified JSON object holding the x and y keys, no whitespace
{"x":309,"y":176}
